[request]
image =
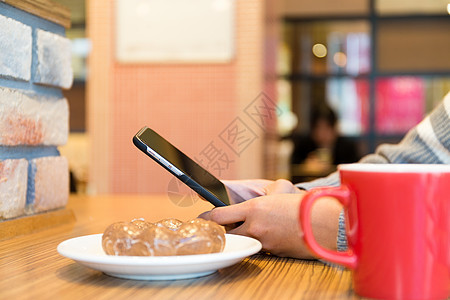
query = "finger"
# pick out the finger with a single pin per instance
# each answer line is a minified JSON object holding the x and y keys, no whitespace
{"x":206,"y":215}
{"x":282,"y":186}
{"x":233,"y":229}
{"x":229,"y":214}
{"x":228,"y":227}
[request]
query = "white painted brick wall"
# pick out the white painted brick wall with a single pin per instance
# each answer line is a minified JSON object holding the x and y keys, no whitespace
{"x":54,"y":60}
{"x":15,"y":49}
{"x":13,"y":187}
{"x":32,"y":119}
{"x":50,"y":178}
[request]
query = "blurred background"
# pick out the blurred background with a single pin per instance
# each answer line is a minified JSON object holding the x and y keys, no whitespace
{"x":235,"y":84}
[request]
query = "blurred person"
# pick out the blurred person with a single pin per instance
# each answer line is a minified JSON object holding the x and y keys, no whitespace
{"x":323,"y":148}
{"x":269,"y":209}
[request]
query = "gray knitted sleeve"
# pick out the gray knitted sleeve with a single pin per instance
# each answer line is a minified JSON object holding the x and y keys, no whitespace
{"x":427,"y":143}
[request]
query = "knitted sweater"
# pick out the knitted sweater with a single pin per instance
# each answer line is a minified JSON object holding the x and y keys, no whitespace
{"x":427,"y":143}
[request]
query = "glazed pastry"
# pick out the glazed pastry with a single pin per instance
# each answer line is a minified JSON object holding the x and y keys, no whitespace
{"x":164,"y":238}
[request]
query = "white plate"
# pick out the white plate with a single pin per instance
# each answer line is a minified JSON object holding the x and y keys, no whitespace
{"x":87,"y":250}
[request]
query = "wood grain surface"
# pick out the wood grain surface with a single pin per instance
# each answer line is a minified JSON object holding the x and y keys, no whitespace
{"x":31,"y":268}
{"x":33,"y":223}
{"x":46,"y":9}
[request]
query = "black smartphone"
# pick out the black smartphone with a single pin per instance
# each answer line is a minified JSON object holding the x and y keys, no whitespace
{"x":181,"y":166}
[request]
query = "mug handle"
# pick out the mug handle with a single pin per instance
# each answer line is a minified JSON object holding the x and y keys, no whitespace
{"x":342,"y":194}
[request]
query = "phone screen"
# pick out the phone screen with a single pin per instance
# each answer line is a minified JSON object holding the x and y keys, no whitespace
{"x":181,"y":162}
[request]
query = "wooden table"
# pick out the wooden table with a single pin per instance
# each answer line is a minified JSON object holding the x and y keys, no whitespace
{"x":31,"y":268}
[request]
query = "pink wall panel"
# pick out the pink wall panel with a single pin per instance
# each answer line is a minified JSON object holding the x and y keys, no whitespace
{"x":188,"y":105}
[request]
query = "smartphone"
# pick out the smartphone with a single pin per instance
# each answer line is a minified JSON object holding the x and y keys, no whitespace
{"x":181,"y":166}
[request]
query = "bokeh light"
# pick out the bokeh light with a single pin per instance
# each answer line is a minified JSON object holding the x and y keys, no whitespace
{"x":340,"y":59}
{"x":319,"y":50}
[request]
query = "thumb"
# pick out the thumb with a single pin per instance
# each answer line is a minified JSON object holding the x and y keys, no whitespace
{"x":226,"y":215}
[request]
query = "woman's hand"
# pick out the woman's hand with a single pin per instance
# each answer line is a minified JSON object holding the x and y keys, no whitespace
{"x":273,"y":220}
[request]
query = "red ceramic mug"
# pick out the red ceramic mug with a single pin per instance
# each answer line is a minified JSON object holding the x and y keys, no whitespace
{"x":398,"y":229}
